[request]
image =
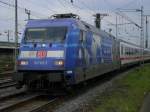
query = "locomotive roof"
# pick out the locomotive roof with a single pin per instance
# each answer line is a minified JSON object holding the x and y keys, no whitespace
{"x":67,"y":22}
{"x":85,"y":26}
{"x":49,"y":22}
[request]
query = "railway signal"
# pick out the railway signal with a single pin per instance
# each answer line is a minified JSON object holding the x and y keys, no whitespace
{"x":28,"y":12}
{"x":71,"y":1}
{"x":99,"y":17}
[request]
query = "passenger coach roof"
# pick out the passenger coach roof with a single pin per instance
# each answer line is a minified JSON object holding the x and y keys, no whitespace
{"x":121,"y":40}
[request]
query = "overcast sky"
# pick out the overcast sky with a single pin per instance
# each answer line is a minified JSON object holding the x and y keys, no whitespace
{"x":84,"y":8}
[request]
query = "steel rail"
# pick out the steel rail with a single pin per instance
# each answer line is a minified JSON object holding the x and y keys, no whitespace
{"x":6,"y":85}
{"x":7,"y":105}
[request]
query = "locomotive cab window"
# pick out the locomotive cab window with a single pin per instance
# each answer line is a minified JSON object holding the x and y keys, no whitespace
{"x":35,"y":34}
{"x":49,"y":34}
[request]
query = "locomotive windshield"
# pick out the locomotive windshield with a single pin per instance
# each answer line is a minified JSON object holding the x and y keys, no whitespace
{"x":49,"y":34}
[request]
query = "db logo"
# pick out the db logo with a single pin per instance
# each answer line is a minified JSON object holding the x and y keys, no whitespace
{"x":41,"y":54}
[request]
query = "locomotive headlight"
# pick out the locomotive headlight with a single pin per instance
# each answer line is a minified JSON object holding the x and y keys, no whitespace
{"x":43,"y":45}
{"x":23,"y":62}
{"x":59,"y":62}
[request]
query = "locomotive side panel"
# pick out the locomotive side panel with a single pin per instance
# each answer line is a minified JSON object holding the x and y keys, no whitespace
{"x":100,"y":55}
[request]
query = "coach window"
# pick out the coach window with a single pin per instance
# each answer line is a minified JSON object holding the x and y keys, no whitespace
{"x":129,"y":51}
{"x":126,"y":51}
{"x":121,"y":49}
{"x":134,"y":51}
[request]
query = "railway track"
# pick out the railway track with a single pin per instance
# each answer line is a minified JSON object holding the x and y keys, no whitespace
{"x":8,"y":89}
{"x":37,"y":103}
{"x":6,"y":82}
{"x":26,"y":103}
{"x":7,"y":74}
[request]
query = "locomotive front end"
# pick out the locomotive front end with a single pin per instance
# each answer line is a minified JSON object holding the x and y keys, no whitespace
{"x":41,"y":59}
{"x":43,"y":49}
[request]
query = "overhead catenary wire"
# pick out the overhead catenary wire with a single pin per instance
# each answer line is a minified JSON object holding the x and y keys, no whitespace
{"x":10,"y":19}
{"x":66,"y":6}
{"x":36,"y":14}
{"x":90,"y":12}
{"x":83,"y":3}
{"x":61,"y":3}
{"x":77,"y":7}
{"x":43,"y":6}
{"x":113,"y":10}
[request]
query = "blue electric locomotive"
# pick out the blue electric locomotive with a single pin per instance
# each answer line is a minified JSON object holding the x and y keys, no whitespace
{"x":64,"y":50}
